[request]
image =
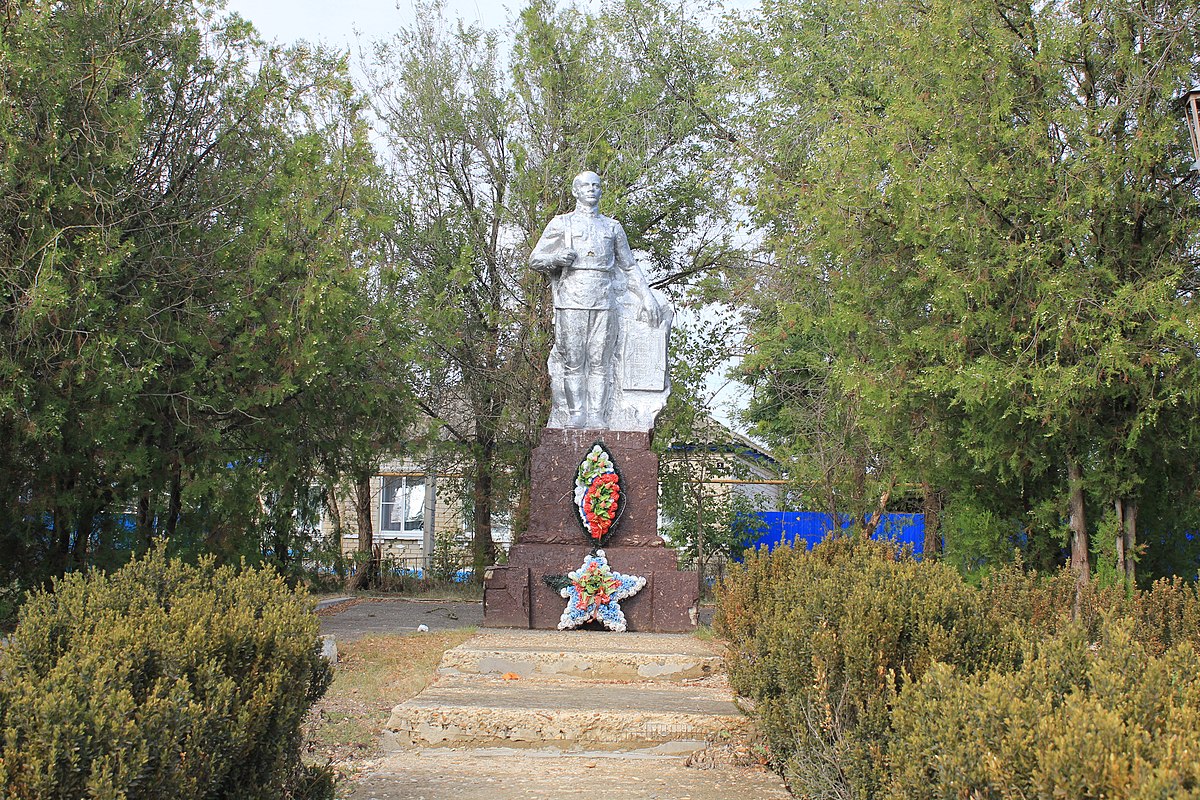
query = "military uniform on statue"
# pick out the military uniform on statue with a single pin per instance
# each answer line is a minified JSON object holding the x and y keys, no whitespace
{"x":592,"y":544}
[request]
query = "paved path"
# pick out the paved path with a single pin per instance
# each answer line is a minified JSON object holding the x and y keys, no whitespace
{"x":356,"y":618}
{"x":370,"y":616}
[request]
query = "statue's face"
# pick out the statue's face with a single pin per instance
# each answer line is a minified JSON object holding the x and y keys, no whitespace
{"x":586,"y":188}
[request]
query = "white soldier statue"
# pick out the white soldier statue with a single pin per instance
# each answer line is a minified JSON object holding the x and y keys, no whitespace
{"x":608,"y":365}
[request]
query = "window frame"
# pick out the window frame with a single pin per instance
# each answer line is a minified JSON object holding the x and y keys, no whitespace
{"x":404,"y":488}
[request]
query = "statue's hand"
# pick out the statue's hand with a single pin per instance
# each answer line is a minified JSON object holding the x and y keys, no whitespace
{"x":565,"y":259}
{"x":651,"y":312}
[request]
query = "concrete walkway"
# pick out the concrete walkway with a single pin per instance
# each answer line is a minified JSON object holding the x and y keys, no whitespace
{"x":355,"y":618}
{"x":546,"y":714}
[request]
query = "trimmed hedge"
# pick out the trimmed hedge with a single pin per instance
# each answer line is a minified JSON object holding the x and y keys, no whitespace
{"x":1082,"y":718}
{"x":874,"y":675}
{"x":161,"y":680}
{"x":824,"y":641}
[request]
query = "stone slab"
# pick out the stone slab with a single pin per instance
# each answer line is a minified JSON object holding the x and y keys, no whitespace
{"x":585,"y":655}
{"x":554,"y":462}
{"x":506,"y":596}
{"x":568,"y":715}
{"x":669,"y":603}
{"x":551,"y":775}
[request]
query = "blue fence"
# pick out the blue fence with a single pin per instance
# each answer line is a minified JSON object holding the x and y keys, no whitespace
{"x":773,"y":528}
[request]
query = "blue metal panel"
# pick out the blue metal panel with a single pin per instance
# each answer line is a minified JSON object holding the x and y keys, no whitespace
{"x":791,"y":527}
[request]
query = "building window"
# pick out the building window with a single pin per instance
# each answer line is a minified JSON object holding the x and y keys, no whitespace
{"x":402,"y":506}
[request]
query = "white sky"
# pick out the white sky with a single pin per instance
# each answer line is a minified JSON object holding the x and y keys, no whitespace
{"x":337,"y":23}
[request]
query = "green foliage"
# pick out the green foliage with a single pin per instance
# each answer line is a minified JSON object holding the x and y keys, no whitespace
{"x":161,"y":680}
{"x":1083,"y":717}
{"x":451,"y":555}
{"x":191,"y":234}
{"x":976,"y":538}
{"x":824,"y":641}
{"x":983,"y":236}
{"x":702,"y":520}
{"x":1164,"y":615}
{"x":1029,"y":604}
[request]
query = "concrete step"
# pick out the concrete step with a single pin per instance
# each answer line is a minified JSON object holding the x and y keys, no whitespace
{"x":568,"y":715}
{"x":550,"y":775}
{"x":590,"y":655}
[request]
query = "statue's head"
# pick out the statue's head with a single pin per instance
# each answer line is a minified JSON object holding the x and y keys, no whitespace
{"x":586,"y":187}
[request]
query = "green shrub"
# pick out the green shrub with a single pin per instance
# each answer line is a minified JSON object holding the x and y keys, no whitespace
{"x":1027,"y":604}
{"x":161,"y":680}
{"x":976,"y":539}
{"x":1082,"y":718}
{"x":824,"y":641}
{"x":1166,"y":614}
{"x":1034,"y":606}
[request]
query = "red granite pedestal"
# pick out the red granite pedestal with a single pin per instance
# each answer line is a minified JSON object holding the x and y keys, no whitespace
{"x":515,"y":595}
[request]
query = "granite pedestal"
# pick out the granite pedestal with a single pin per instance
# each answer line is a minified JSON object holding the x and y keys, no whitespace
{"x":515,"y":594}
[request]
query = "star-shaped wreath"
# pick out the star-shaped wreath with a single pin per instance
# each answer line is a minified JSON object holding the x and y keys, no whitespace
{"x":594,"y":591}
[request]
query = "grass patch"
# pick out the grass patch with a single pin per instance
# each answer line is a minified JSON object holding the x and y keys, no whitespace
{"x":373,"y":674}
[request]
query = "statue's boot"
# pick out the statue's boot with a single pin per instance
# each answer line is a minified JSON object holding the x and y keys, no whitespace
{"x":575,"y":397}
{"x":597,"y":401}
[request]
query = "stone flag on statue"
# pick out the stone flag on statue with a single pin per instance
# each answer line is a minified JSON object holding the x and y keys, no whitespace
{"x":644,"y":356}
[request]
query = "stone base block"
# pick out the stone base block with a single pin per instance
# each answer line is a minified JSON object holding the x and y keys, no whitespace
{"x":516,"y":596}
{"x":462,"y":711}
{"x":553,"y":518}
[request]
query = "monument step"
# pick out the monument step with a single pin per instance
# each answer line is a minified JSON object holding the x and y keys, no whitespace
{"x":587,"y":655}
{"x":570,"y":715}
{"x":505,"y":774}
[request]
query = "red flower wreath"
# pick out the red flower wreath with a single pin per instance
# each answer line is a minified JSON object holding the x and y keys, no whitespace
{"x":600,"y":503}
{"x":598,"y":498}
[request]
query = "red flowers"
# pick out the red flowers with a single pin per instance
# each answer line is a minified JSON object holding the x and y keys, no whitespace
{"x":600,"y":503}
{"x":595,"y":586}
{"x":598,"y":498}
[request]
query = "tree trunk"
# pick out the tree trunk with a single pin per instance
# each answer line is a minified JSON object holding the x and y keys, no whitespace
{"x":1131,"y":543}
{"x":831,"y":507}
{"x":1126,"y":541}
{"x":932,"y":512}
{"x":62,"y":527}
{"x":175,"y":503}
{"x":333,"y":509}
{"x":145,"y":520}
{"x":859,"y":501}
{"x":1119,"y":505}
{"x":1080,"y":564}
{"x":873,"y":521}
{"x":86,"y":521}
{"x":483,"y":548}
{"x":366,"y":535}
{"x":698,"y":485}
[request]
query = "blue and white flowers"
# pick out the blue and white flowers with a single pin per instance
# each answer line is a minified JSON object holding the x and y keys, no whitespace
{"x":595,"y":592}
